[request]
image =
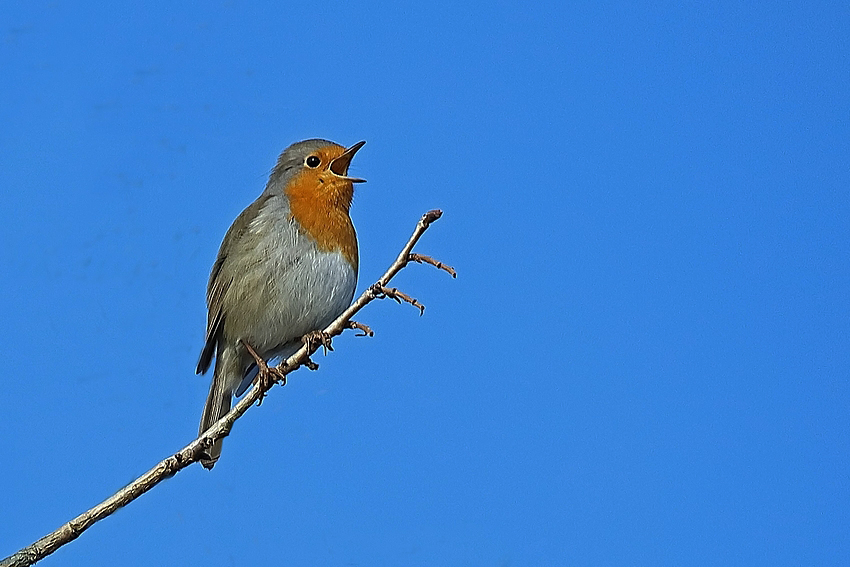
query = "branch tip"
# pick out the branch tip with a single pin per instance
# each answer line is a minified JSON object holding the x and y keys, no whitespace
{"x":431,"y":216}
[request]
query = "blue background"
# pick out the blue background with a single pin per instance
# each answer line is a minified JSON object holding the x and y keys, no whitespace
{"x":644,"y":360}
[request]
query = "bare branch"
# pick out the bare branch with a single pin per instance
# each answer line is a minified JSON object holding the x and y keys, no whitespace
{"x":267,"y":377}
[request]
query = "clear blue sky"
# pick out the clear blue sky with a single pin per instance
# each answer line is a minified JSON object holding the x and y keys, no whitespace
{"x":644,"y":361}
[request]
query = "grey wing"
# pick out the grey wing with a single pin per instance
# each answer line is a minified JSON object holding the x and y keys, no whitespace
{"x":220,"y":281}
{"x":215,"y":316}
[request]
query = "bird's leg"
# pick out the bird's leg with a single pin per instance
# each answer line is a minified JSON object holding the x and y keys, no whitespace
{"x":267,"y":376}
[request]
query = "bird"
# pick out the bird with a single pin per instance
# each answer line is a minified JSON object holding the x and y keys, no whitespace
{"x":287,"y":267}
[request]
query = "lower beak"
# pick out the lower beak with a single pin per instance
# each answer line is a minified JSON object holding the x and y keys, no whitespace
{"x":339,"y":166}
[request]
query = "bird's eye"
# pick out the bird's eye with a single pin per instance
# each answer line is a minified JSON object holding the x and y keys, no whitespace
{"x":313,"y":161}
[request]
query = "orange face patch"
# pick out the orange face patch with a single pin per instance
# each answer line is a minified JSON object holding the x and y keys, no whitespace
{"x":319,"y":200}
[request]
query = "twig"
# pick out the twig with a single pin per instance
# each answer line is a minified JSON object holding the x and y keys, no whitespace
{"x":366,"y":331}
{"x":193,"y":452}
{"x":423,"y":259}
{"x":393,"y":293}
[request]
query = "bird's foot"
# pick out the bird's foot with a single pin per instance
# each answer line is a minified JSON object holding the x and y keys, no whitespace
{"x":316,"y":339}
{"x":313,"y":340}
{"x":276,"y":374}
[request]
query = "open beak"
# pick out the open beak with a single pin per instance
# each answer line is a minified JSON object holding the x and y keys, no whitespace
{"x":339,"y":166}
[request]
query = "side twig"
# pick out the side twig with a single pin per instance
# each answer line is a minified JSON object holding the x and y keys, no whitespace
{"x":422,"y":259}
{"x":193,"y":452}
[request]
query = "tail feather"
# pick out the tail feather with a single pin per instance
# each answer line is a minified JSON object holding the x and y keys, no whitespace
{"x":218,"y":402}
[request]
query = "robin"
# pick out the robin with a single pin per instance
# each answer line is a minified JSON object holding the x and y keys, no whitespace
{"x":287,"y":267}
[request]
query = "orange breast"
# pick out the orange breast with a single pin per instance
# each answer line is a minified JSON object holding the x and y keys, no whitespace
{"x":320,"y":204}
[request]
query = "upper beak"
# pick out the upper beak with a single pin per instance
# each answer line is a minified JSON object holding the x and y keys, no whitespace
{"x":339,"y":166}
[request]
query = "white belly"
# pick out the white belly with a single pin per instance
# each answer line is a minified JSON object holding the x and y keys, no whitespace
{"x":309,"y":297}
